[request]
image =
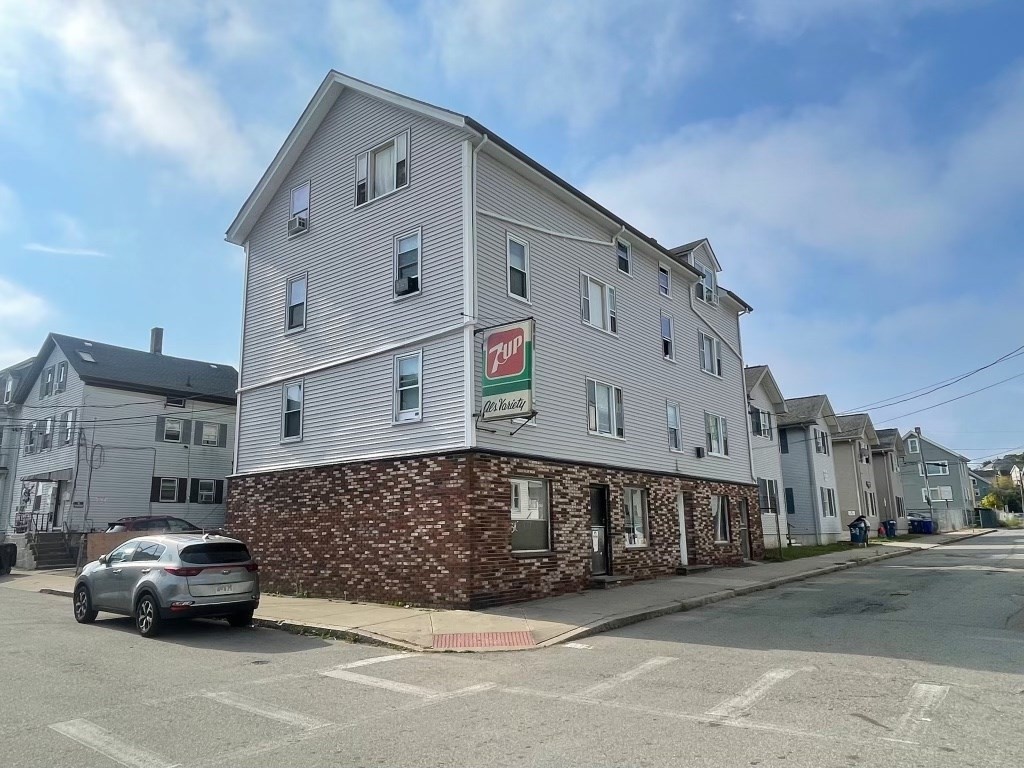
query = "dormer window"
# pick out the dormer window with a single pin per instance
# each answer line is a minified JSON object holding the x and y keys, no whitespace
{"x":382,"y":170}
{"x":707,"y":289}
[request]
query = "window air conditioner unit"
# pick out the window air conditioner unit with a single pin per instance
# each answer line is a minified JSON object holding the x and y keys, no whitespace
{"x":699,"y":452}
{"x":406,"y":285}
{"x":297,"y":224}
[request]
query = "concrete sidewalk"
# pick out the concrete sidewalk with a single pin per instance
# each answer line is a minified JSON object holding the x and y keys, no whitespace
{"x":538,"y":623}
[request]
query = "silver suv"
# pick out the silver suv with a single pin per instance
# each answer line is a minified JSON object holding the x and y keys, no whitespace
{"x":171,"y":576}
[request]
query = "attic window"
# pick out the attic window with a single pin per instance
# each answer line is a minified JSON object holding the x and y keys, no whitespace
{"x":86,"y":356}
{"x":383,"y":169}
{"x":175,"y":402}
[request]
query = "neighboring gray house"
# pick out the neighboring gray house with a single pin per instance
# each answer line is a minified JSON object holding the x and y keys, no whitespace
{"x":946,"y":495}
{"x":808,"y":471}
{"x":856,"y":486}
{"x":109,"y":432}
{"x":10,"y":437}
{"x":387,"y":237}
{"x":888,"y":456}
{"x":766,"y":404}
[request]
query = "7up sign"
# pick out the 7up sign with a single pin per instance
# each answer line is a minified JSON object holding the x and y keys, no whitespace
{"x":508,"y":372}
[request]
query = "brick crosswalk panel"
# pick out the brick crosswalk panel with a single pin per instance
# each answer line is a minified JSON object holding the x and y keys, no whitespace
{"x":484,"y":640}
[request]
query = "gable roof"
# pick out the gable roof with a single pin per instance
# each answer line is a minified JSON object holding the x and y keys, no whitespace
{"x":806,"y":410}
{"x":136,"y":371}
{"x":761,"y":374}
{"x":854,"y":426}
{"x":688,"y":248}
{"x":940,"y":446}
{"x":324,"y":99}
{"x":889,"y":439}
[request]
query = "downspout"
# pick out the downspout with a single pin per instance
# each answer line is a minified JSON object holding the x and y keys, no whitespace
{"x":744,"y":400}
{"x":469,"y":291}
{"x":241,"y":362}
{"x":815,"y":489}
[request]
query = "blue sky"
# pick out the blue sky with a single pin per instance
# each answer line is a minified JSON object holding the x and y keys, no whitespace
{"x":857,"y":164}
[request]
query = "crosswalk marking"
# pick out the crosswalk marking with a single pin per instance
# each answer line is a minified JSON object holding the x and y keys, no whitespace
{"x":739,"y":705}
{"x":606,"y":685}
{"x":100,"y":740}
{"x":924,"y":699}
{"x":254,"y":707}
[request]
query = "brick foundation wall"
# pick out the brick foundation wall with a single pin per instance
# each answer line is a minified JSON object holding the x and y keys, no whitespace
{"x":437,"y":530}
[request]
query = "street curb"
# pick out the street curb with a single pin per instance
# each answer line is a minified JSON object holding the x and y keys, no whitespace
{"x":587,"y":630}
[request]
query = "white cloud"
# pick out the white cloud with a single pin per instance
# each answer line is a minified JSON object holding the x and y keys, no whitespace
{"x":790,"y":18}
{"x":58,"y":250}
{"x":232,"y":32}
{"x":22,"y":313}
{"x":145,"y":94}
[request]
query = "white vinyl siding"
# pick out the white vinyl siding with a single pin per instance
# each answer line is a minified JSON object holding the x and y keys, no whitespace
{"x":408,"y":383}
{"x":598,"y":305}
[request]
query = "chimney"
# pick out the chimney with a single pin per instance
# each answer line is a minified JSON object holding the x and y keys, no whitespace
{"x":156,"y":341}
{"x":917,"y":431}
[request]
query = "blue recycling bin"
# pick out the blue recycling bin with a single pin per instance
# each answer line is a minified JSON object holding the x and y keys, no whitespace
{"x":858,"y":533}
{"x":890,"y":529}
{"x":927,"y":526}
{"x":915,"y":526}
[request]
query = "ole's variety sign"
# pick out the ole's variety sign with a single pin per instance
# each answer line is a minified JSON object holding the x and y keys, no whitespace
{"x":508,"y":372}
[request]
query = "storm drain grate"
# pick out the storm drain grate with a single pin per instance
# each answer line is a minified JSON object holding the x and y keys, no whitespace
{"x":485,"y":640}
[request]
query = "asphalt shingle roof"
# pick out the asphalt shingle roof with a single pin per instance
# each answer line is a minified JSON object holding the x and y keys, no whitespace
{"x":887,"y":437}
{"x":148,"y":372}
{"x":751,"y":374}
{"x":851,"y":426}
{"x":802,"y":410}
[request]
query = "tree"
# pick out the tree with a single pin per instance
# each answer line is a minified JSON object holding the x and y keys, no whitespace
{"x":1003,"y":494}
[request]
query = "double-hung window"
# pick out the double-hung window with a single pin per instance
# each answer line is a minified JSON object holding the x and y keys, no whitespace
{"x":720,"y":518}
{"x":47,"y":435}
{"x":761,"y":422}
{"x":675,"y":442}
{"x":604,"y":409}
{"x":382,"y":170}
{"x":768,"y":495}
{"x":710,"y":354}
{"x":938,"y":493}
{"x":172,"y":431}
{"x":935,"y":468}
{"x":531,"y":523}
{"x":298,"y":210}
{"x":30,"y":437}
{"x":668,"y":349}
{"x":211,"y":433}
{"x":292,"y":395}
{"x":407,"y":264}
{"x":296,"y":298}
{"x":706,"y":289}
{"x":597,"y":304}
{"x":8,"y":391}
{"x":62,"y":375}
{"x":821,"y":444}
{"x":168,"y":489}
{"x":828,"y":502}
{"x":664,"y":280}
{"x":207,"y":491}
{"x":408,"y":387}
{"x":67,"y":427}
{"x":717,"y":431}
{"x":913,"y":445}
{"x":517,"y":267}
{"x":624,"y":256}
{"x":46,"y":389}
{"x":635,"y":508}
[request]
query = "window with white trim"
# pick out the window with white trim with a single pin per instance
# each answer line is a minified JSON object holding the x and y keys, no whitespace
{"x":168,"y":490}
{"x":604,"y":409}
{"x":598,"y":305}
{"x":62,"y":375}
{"x":935,"y":468}
{"x":624,"y":256}
{"x":710,"y":350}
{"x":292,"y":396}
{"x":207,"y":491}
{"x":517,"y":263}
{"x":383,"y":170}
{"x":172,"y":430}
{"x":296,"y":299}
{"x":768,"y":495}
{"x":828,"y":502}
{"x":407,"y":264}
{"x":821,"y":443}
{"x":634,"y":502}
{"x":706,"y":289}
{"x":720,"y":518}
{"x":717,"y":432}
{"x":761,"y":422}
{"x":298,"y":209}
{"x":675,"y":442}
{"x":211,"y":433}
{"x":664,"y":280}
{"x":46,"y":441}
{"x":48,"y":377}
{"x":668,"y":350}
{"x":30,"y":437}
{"x":938,"y":493}
{"x":8,"y":391}
{"x":913,"y":445}
{"x":531,"y":522}
{"x":408,"y":387}
{"x":67,"y":427}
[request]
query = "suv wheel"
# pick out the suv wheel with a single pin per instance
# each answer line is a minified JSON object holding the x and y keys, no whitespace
{"x":147,"y":616}
{"x":84,"y":612}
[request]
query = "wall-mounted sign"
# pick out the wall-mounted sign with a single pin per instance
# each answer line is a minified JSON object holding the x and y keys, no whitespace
{"x":508,"y":372}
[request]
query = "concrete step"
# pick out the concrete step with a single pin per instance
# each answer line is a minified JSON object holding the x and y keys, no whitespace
{"x":690,"y":570}
{"x":607,"y":582}
{"x":55,"y":566}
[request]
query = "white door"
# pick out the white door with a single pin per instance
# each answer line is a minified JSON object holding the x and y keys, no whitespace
{"x":681,"y":508}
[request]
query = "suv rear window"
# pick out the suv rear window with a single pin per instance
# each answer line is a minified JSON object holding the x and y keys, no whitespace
{"x":215,"y":553}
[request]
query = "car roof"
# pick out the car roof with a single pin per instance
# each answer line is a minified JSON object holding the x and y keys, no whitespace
{"x":184,"y":539}
{"x":147,"y":517}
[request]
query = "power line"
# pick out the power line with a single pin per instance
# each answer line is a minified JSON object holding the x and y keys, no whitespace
{"x":953,"y":399}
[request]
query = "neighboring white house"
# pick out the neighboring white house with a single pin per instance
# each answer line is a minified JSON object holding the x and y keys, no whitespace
{"x":10,"y":438}
{"x":386,"y":239}
{"x":808,"y":471}
{"x":105,"y":432}
{"x":766,"y":405}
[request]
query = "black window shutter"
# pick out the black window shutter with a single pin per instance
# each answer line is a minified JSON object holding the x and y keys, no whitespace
{"x":182,"y":489}
{"x":218,"y":492}
{"x":784,"y":441}
{"x":154,"y":492}
{"x":160,"y":428}
{"x":193,"y":492}
{"x":197,"y":433}
{"x":755,"y":420}
{"x":222,"y":435}
{"x":790,"y":502}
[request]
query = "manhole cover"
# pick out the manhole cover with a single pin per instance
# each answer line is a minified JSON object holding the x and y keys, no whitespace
{"x":485,"y":640}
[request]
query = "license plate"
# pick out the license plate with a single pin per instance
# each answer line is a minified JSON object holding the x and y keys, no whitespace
{"x":224,"y":589}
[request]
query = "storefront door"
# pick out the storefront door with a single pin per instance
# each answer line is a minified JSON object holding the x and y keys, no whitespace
{"x":600,"y":562}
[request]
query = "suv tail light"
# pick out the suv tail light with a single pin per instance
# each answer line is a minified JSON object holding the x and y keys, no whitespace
{"x":183,"y":571}
{"x":252,"y":567}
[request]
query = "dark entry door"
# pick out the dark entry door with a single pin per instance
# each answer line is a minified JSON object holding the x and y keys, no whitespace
{"x":600,"y":563}
{"x":745,"y":529}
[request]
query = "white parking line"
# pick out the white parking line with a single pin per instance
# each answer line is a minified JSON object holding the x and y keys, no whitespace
{"x":924,"y":698}
{"x":376,"y":682}
{"x":254,"y":707}
{"x":740,"y":704}
{"x":606,"y":685}
{"x":92,"y":736}
{"x":377,"y":660}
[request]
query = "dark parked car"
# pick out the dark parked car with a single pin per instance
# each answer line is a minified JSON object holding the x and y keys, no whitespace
{"x":153,"y":523}
{"x":171,"y":576}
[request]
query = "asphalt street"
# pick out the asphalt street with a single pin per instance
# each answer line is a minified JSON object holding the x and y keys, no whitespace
{"x":915,"y":661}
